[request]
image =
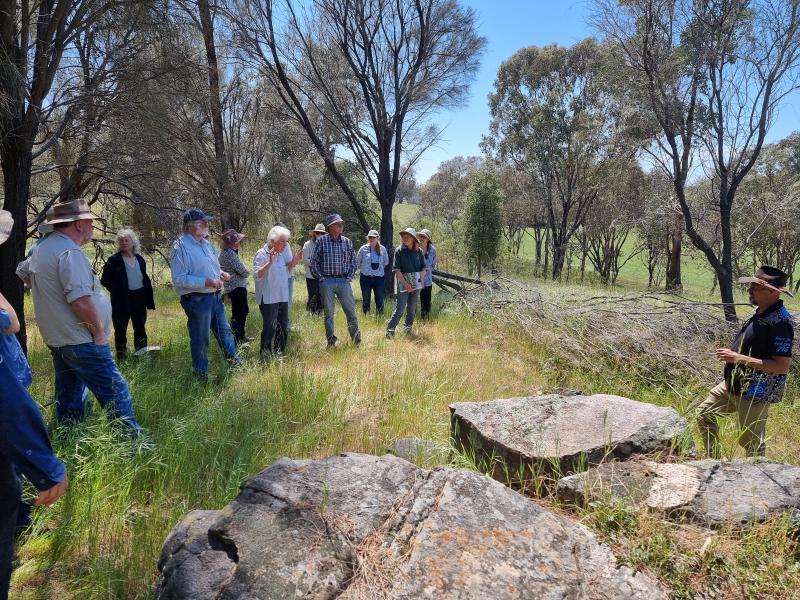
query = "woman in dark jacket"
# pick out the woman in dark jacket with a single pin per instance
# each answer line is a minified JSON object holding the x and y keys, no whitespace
{"x":125,"y":278}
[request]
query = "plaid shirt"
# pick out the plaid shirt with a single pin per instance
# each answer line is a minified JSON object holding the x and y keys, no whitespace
{"x":333,"y":258}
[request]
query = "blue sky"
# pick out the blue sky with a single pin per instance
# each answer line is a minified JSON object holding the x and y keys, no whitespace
{"x":509,"y":25}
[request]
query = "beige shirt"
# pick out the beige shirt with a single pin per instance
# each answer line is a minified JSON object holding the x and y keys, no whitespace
{"x":60,"y":274}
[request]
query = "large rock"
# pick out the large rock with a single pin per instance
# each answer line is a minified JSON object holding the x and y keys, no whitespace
{"x":357,"y":526}
{"x":561,"y":433}
{"x":710,"y":492}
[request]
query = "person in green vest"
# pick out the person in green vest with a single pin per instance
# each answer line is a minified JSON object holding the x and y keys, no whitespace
{"x":409,"y":265}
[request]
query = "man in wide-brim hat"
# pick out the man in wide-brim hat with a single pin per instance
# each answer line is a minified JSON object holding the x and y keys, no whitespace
{"x":756,"y":366}
{"x":74,"y":317}
{"x":24,"y":443}
{"x":314,"y":302}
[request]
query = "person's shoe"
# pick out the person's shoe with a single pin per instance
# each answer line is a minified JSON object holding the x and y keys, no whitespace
{"x":332,"y":343}
{"x":249,"y":338}
{"x":357,"y":340}
{"x":389,"y":334}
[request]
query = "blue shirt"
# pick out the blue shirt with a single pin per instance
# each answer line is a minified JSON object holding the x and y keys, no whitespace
{"x":366,"y":256}
{"x":274,"y":286}
{"x":191,"y":262}
{"x":430,"y":265}
{"x":23,"y":436}
{"x":333,"y":258}
{"x":11,"y":351}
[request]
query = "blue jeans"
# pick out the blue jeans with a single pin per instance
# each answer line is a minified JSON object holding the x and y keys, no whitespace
{"x":206,"y":313}
{"x":372,"y":284}
{"x":339,"y":287}
{"x":91,"y":366}
{"x":276,"y":327}
{"x":406,"y":302}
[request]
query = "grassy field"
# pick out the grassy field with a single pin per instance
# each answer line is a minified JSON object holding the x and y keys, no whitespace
{"x":102,"y":540}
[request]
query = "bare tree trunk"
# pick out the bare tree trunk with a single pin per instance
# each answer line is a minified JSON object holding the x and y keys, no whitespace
{"x":673,"y":275}
{"x":16,"y":165}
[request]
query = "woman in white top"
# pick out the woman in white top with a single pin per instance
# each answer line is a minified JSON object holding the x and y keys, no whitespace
{"x":272,"y":264}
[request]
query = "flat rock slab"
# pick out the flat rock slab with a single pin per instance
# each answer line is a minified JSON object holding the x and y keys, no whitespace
{"x":709,"y":492}
{"x":358,"y":526}
{"x":556,"y":432}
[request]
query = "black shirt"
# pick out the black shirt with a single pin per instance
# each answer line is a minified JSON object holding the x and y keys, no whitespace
{"x":764,"y":335}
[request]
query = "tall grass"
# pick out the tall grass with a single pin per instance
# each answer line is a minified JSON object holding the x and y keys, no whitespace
{"x":102,"y":540}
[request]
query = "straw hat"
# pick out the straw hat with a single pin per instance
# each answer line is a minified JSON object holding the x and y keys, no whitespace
{"x":6,"y":223}
{"x":771,"y":278}
{"x":318,"y":228}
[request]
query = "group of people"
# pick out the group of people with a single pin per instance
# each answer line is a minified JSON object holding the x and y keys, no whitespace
{"x":74,"y":317}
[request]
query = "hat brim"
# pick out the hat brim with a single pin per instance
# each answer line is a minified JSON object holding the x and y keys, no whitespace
{"x":71,"y":218}
{"x":425,"y":235}
{"x":765,"y":284}
{"x":334,"y":222}
{"x":6,"y":225}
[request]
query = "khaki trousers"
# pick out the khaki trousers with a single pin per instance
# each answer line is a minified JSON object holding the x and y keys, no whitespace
{"x":752,"y":420}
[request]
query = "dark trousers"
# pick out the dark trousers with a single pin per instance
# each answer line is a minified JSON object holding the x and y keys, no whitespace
{"x":136,"y":312}
{"x":314,"y":303}
{"x":425,"y":301}
{"x":276,"y":327}
{"x":239,"y":312}
{"x":376,"y":285}
{"x":10,"y":495}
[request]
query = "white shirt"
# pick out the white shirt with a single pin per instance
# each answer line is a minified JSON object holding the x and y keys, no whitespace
{"x":274,"y":286}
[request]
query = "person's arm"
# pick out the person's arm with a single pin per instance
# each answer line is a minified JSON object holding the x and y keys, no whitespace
{"x":87,"y":314}
{"x":24,"y":439}
{"x":12,"y":326}
{"x":262,"y":263}
{"x":775,"y":365}
{"x":239,"y":268}
{"x":106,"y":277}
{"x":23,"y":271}
{"x":351,"y":263}
{"x":316,"y":263}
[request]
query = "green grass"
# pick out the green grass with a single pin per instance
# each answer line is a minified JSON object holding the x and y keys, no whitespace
{"x":102,"y":540}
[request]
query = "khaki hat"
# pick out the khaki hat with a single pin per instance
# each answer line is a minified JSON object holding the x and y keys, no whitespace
{"x":427,"y":233}
{"x":6,"y":224}
{"x":373,"y":233}
{"x":771,"y":278}
{"x":410,"y":231}
{"x":72,"y":210}
{"x":318,"y":228}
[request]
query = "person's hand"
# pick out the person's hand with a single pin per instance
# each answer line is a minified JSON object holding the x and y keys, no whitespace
{"x":727,"y":355}
{"x":298,"y":254}
{"x":408,"y":287}
{"x":215,"y":283}
{"x":100,"y":338}
{"x":224,"y":276}
{"x":49,"y":496}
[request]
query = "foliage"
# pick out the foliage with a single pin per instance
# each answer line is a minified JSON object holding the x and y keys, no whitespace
{"x":483,"y":220}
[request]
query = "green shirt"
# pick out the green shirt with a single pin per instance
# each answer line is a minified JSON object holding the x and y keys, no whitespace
{"x":409,"y":261}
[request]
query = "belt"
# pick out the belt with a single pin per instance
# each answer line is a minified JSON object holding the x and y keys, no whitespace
{"x":195,"y":294}
{"x":337,"y":276}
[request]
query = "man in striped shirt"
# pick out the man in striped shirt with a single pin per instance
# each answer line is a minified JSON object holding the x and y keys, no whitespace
{"x":334,"y":266}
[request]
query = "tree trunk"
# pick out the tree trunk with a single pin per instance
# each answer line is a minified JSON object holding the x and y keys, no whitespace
{"x":16,"y":165}
{"x":387,"y":237}
{"x":228,"y":206}
{"x":725,"y":274}
{"x":673,"y":275}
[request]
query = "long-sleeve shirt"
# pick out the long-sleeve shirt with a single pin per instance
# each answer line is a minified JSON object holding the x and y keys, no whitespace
{"x":11,"y":351}
{"x":191,"y":262}
{"x":23,"y":435}
{"x":231,"y":263}
{"x":334,"y":258}
{"x":308,"y":256}
{"x":430,"y":264}
{"x":365,"y":258}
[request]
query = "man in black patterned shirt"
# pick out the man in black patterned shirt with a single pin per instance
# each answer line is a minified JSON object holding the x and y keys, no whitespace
{"x":334,"y":266}
{"x":756,"y":366}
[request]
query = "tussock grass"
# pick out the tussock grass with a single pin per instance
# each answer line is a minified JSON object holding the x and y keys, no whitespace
{"x":102,"y":540}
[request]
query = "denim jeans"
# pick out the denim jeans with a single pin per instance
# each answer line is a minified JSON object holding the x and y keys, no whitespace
{"x":10,"y":495}
{"x":339,"y":287}
{"x":276,"y":327}
{"x":406,"y":302}
{"x":376,"y":285}
{"x":206,"y":313}
{"x":91,"y":366}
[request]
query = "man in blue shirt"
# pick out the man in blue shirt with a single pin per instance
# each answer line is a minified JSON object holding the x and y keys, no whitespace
{"x":24,"y":442}
{"x":197,"y":279}
{"x":334,"y":266}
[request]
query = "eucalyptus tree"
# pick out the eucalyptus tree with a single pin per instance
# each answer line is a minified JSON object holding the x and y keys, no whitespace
{"x":363,"y":78}
{"x":712,"y":74}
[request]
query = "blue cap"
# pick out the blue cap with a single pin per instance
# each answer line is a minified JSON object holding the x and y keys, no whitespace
{"x":333,"y":218}
{"x":195,"y":214}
